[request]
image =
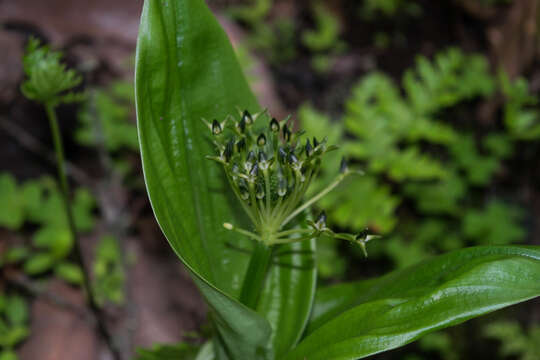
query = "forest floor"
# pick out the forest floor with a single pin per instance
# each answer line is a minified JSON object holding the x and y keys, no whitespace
{"x":163,"y":304}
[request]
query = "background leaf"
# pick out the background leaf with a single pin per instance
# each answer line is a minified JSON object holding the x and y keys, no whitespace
{"x":379,"y":315}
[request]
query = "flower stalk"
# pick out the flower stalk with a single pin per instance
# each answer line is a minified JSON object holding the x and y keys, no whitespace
{"x":270,"y":168}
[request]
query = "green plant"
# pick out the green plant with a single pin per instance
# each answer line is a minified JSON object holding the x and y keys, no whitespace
{"x":112,"y":108}
{"x":13,"y":324}
{"x":49,"y":83}
{"x":405,"y":142}
{"x":272,"y":38}
{"x":515,"y":341}
{"x":180,"y":82}
{"x":109,"y":272}
{"x":389,"y":8}
{"x":39,"y":202}
{"x":521,"y":115}
{"x":323,"y":41}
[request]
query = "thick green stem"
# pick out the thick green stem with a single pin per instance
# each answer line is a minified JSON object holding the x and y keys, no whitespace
{"x":64,"y":189}
{"x":256,"y":275}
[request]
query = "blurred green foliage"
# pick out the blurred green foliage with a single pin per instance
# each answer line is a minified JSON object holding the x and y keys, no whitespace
{"x":273,"y":38}
{"x":169,"y":352}
{"x":371,"y":9}
{"x":426,"y":172}
{"x":13,"y":324}
{"x":106,"y":118}
{"x":323,"y":40}
{"x":109,"y":272}
{"x":515,"y":341}
{"x":39,"y":202}
{"x":48,"y":80}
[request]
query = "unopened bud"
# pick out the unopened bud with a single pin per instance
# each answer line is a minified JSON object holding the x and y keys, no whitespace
{"x":274,"y":125}
{"x":229,"y":150}
{"x":216,"y":127}
{"x":321,"y":221}
{"x":261,"y":140}
{"x":282,"y":155}
{"x":309,"y":148}
{"x":260,"y":191}
{"x":286,"y":133}
{"x":247,"y":118}
{"x":282,"y":187}
{"x":241,"y":145}
{"x":343,"y":167}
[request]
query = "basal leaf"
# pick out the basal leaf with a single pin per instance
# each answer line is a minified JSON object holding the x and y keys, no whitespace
{"x":186,"y":70}
{"x":357,"y":320}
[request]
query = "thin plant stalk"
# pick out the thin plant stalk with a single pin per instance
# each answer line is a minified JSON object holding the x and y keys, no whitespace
{"x":64,"y":187}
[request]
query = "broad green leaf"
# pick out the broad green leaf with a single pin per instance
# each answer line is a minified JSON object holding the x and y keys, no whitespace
{"x":186,"y":70}
{"x":354,"y":321}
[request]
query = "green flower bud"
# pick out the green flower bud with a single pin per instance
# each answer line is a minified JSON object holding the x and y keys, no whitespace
{"x":274,"y":125}
{"x":282,"y":155}
{"x":343,"y":167}
{"x":216,"y":127}
{"x":247,"y":118}
{"x":261,"y":140}
{"x":260,"y":191}
{"x":282,"y":187}
{"x":286,"y":133}
{"x":309,"y":148}
{"x":241,"y":145}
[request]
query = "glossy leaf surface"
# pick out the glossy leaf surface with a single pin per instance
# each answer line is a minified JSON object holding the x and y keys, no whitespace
{"x":186,"y":70}
{"x":286,"y":301}
{"x":353,"y":321}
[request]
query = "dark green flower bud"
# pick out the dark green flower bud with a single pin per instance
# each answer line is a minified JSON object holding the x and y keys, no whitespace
{"x":274,"y":125}
{"x":315,"y":142}
{"x":244,"y":194}
{"x":250,"y":161}
{"x":343,"y":167}
{"x":263,"y":163}
{"x":242,"y":125}
{"x":282,"y":187}
{"x":260,"y":191}
{"x":292,"y":158}
{"x":309,"y":148}
{"x":261,"y":140}
{"x":254,"y":170}
{"x":282,"y":155}
{"x":286,"y":133}
{"x":216,"y":127}
{"x":363,"y":234}
{"x":321,"y":221}
{"x":229,"y":150}
{"x":247,"y":118}
{"x":241,"y":145}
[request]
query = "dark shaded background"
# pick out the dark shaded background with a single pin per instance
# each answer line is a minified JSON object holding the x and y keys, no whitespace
{"x":98,"y":37}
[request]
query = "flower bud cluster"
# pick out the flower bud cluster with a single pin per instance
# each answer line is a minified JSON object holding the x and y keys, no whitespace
{"x":270,"y":168}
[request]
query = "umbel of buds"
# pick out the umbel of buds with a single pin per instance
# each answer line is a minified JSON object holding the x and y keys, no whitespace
{"x":270,"y":168}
